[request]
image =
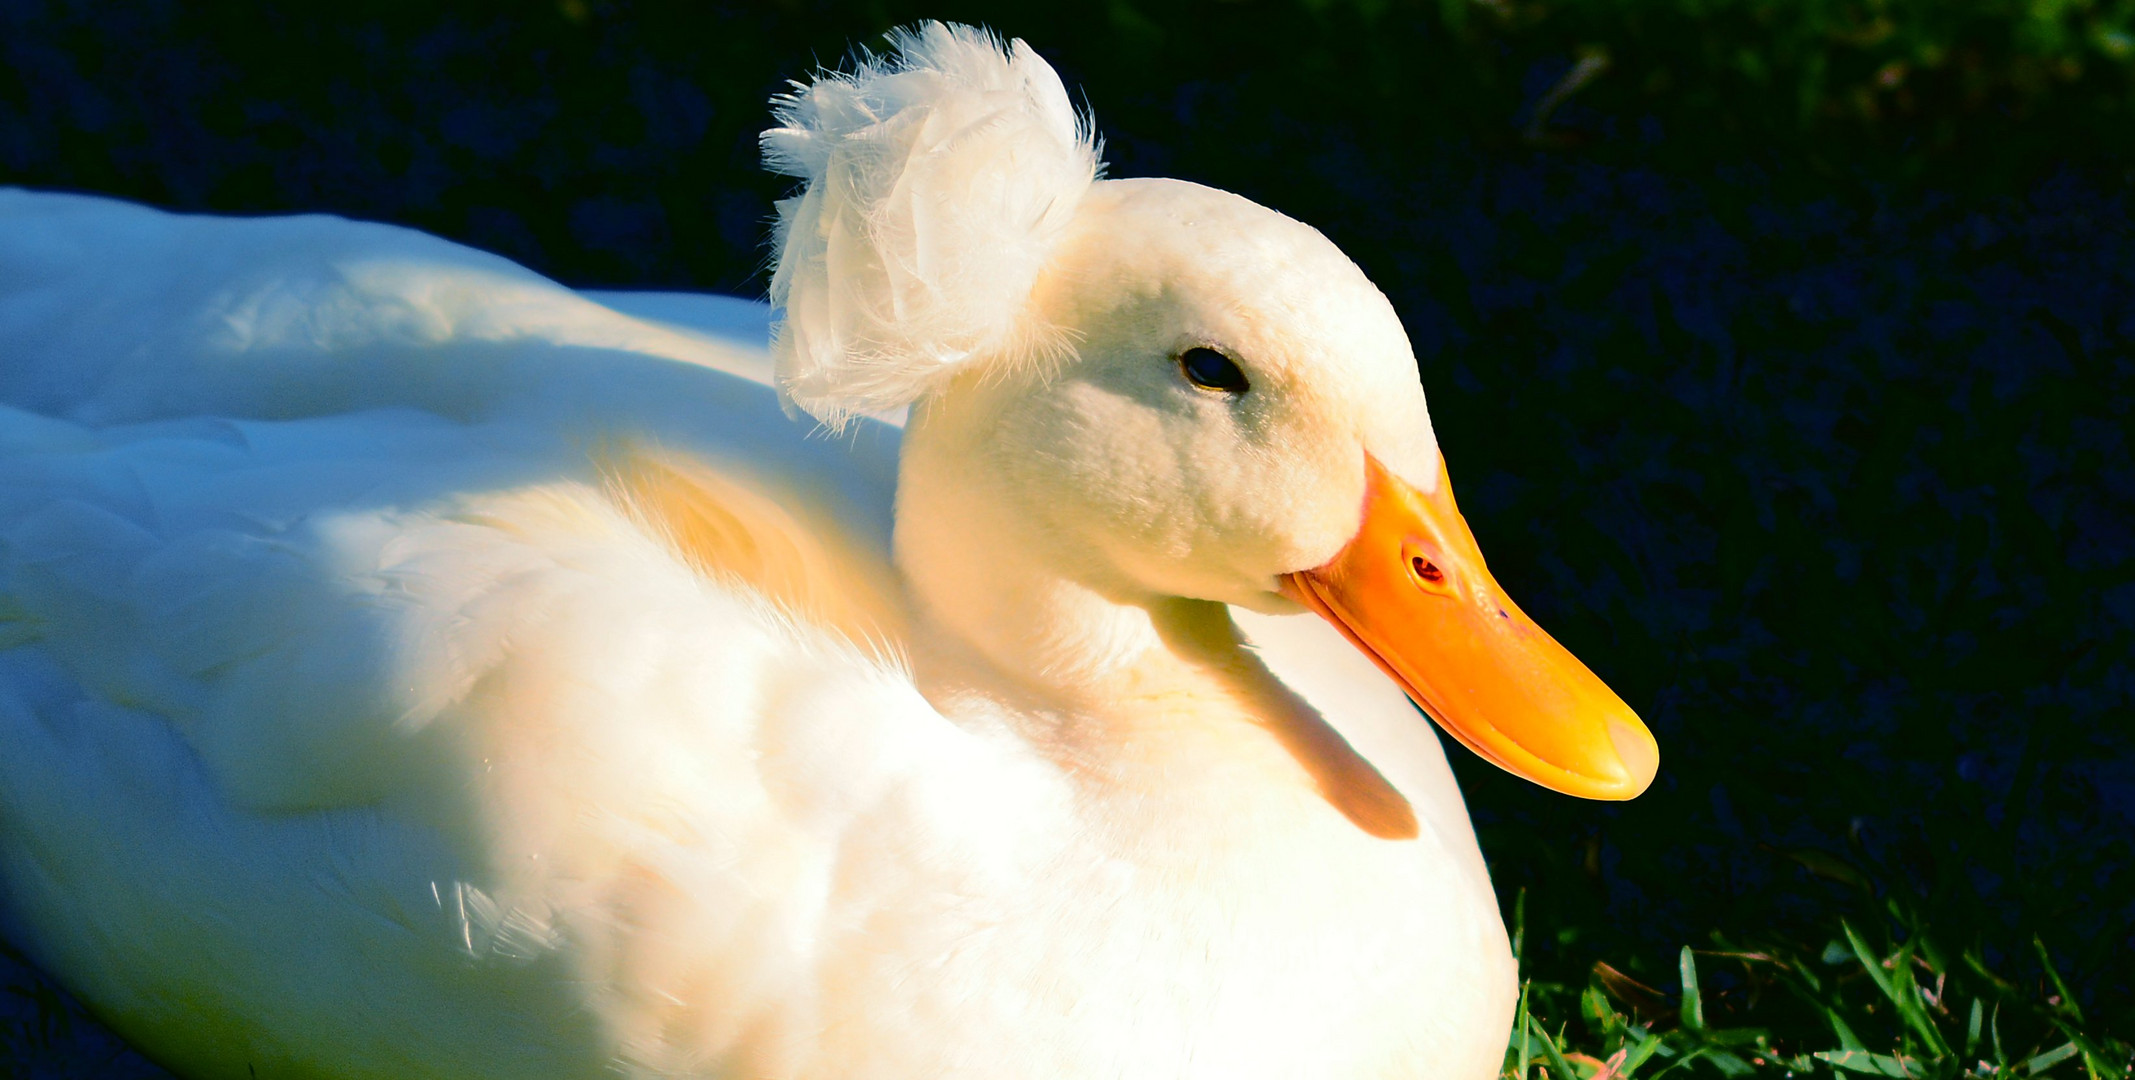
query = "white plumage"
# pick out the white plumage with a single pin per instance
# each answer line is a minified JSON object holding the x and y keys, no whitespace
{"x":412,"y":668}
{"x":938,"y":182}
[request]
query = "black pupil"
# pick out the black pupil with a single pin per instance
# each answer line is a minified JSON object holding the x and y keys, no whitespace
{"x":1212,"y":370}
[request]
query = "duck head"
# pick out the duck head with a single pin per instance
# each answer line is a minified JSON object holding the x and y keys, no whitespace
{"x":1173,"y":392}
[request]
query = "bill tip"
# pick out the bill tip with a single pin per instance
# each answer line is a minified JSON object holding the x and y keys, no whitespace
{"x":1641,"y":756}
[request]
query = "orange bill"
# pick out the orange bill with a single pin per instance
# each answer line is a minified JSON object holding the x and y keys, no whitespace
{"x":1412,"y":592}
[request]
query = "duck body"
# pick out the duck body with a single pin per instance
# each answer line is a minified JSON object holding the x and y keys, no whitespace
{"x":376,"y":701}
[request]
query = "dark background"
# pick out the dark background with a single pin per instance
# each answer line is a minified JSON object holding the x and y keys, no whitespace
{"x":1783,"y":364}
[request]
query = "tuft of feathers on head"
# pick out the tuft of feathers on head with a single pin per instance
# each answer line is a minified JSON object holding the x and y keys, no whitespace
{"x":937,"y":182}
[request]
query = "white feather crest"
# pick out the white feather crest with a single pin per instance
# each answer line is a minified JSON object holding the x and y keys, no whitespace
{"x":938,"y":179}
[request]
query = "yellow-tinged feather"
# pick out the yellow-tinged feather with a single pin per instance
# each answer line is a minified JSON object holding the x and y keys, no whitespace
{"x":725,"y":528}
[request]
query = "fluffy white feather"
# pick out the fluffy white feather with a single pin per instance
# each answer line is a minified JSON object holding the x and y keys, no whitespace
{"x":939,"y":180}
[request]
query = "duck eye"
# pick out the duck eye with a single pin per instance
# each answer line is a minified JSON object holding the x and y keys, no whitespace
{"x":1211,"y":370}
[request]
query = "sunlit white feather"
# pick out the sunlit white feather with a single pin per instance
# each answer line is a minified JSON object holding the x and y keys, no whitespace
{"x":937,"y":182}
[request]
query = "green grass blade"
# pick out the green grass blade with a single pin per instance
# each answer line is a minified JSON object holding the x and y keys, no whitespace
{"x":1861,"y":1061}
{"x":1907,"y":1000}
{"x":1847,"y":1040}
{"x":1647,"y":1044}
{"x":1558,"y":1067}
{"x":1994,"y":1028}
{"x":1594,"y":1006}
{"x":1519,"y":925}
{"x":1520,"y":1028}
{"x":1979,"y":967}
{"x":2068,"y":1000}
{"x":1871,"y":961}
{"x":1680,"y":1062}
{"x":2101,"y":1066}
{"x":1916,"y":1014}
{"x":2050,"y":1058}
{"x":1971,"y":1032}
{"x":1730,"y":1065}
{"x":1912,"y":1003}
{"x":1693,"y":1013}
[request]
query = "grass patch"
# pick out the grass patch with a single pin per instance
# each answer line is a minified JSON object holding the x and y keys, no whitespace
{"x":1888,"y":998}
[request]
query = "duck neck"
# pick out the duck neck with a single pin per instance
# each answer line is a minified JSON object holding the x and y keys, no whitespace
{"x":998,"y":589}
{"x":1129,"y":688}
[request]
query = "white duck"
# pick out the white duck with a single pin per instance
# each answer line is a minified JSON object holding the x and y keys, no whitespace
{"x":412,"y":668}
